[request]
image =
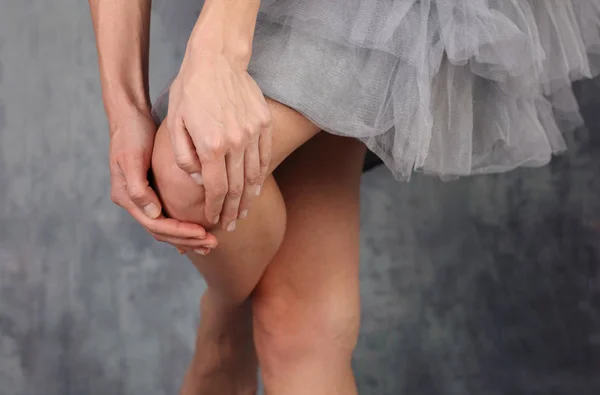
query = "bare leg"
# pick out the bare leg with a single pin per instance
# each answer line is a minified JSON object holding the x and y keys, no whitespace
{"x":234,"y":268}
{"x":306,"y":306}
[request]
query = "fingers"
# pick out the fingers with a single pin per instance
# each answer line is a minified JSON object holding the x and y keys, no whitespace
{"x":184,"y":151}
{"x":199,"y":251}
{"x":264,"y":147}
{"x":138,"y":188}
{"x":167,"y":227}
{"x":214,"y":175}
{"x":186,"y":244}
{"x":265,"y":135}
{"x":183,"y":235}
{"x":235,"y":179}
{"x":183,"y":246}
{"x":251,"y":178}
{"x":177,"y":234}
{"x":202,"y":251}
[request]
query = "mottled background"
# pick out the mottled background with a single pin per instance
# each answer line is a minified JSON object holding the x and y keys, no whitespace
{"x":486,"y":286}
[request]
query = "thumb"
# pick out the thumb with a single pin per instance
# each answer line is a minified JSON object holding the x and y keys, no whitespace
{"x":139,"y":189}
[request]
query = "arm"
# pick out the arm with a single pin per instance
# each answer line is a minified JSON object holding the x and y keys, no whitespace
{"x":226,"y":28}
{"x":218,"y":120}
{"x":122,"y":37}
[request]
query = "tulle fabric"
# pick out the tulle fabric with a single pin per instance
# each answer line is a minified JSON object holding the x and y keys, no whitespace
{"x":448,"y":87}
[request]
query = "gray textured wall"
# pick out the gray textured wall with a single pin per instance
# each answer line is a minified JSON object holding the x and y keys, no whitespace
{"x":487,"y":286}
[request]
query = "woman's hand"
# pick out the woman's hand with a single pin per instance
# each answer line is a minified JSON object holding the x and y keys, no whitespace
{"x":218,"y":119}
{"x":122,"y":36}
{"x":220,"y":130}
{"x":131,"y":144}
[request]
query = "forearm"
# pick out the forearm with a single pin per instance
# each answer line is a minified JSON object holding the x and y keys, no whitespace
{"x":122,"y":37}
{"x":226,"y":27}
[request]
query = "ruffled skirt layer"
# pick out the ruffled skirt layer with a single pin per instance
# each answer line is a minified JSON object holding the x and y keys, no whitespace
{"x":448,"y":87}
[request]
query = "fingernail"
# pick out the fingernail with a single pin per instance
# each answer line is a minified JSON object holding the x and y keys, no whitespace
{"x":200,"y":252}
{"x":243,"y":214}
{"x":231,"y":226}
{"x":197,"y":177}
{"x":181,"y":251}
{"x":216,"y":219}
{"x":152,"y":210}
{"x":258,"y":190}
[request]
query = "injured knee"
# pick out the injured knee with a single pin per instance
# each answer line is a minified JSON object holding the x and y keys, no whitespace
{"x":181,"y":197}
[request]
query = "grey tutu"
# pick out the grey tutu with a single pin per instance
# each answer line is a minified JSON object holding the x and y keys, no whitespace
{"x":447,"y":87}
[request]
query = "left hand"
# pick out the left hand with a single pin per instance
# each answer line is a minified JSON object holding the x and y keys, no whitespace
{"x":220,"y":131}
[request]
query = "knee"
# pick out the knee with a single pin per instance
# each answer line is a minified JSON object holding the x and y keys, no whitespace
{"x":289,"y":328}
{"x":181,"y":197}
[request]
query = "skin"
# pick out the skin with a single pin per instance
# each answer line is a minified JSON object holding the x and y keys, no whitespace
{"x":122,"y":37}
{"x":219,"y":122}
{"x":296,"y":296}
{"x":307,"y":304}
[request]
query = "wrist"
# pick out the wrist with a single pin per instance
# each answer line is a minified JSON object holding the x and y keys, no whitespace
{"x":226,"y":28}
{"x":121,"y":106}
{"x":124,"y":102}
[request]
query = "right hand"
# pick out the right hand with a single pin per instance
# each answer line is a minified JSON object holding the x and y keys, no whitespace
{"x":131,"y":144}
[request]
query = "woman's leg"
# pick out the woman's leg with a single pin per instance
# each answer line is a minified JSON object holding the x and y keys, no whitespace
{"x":234,"y":268}
{"x":306,"y":306}
{"x":225,"y":307}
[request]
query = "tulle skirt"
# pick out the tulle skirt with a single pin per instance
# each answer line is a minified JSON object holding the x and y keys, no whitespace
{"x":447,"y":87}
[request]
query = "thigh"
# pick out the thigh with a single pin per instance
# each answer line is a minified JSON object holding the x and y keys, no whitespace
{"x":315,"y":271}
